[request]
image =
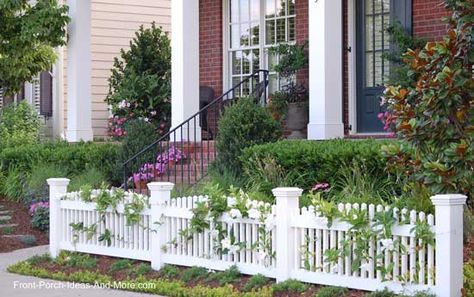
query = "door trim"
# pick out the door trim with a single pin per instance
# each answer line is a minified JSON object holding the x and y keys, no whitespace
{"x":352,"y":65}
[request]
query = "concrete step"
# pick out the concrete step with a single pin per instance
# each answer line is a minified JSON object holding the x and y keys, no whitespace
{"x":3,"y":226}
{"x":5,"y":218}
{"x":5,"y":212}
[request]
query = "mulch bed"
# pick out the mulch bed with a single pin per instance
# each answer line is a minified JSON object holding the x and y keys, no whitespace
{"x":22,"y":218}
{"x":104,"y":263}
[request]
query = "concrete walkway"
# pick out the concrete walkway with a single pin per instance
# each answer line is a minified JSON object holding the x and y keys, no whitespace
{"x":14,"y":284}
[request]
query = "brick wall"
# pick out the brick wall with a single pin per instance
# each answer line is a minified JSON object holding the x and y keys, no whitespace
{"x":210,"y":44}
{"x":302,"y":32}
{"x":427,"y":21}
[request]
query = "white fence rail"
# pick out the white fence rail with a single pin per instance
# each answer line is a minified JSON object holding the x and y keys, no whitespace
{"x":298,"y":244}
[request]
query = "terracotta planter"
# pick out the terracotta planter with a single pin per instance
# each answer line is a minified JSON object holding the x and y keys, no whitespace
{"x":297,"y":120}
{"x":140,"y":185}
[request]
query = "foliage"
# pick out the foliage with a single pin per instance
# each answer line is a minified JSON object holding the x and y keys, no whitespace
{"x":292,"y":57}
{"x":28,"y":240}
{"x":267,"y":174}
{"x":256,"y":282}
{"x":169,"y":271}
{"x":228,"y":276}
{"x":243,"y":124}
{"x":19,"y":123}
{"x":142,"y":269}
{"x":40,"y":219}
{"x":79,"y":260}
{"x":403,"y":41}
{"x":36,"y":188}
{"x":331,"y":292}
{"x":387,"y":293}
{"x":30,"y":32}
{"x":37,"y":259}
{"x":290,"y":285}
{"x":194,"y":273}
{"x":140,"y":84}
{"x":320,"y":161}
{"x":278,"y":105}
{"x":154,"y":286}
{"x":469,"y":278}
{"x":13,"y":184}
{"x":72,"y":158}
{"x":121,"y":264}
{"x":90,"y":176}
{"x":435,"y":116}
{"x":7,"y":230}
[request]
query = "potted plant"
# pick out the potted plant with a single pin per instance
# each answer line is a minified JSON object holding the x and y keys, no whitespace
{"x":291,"y":102}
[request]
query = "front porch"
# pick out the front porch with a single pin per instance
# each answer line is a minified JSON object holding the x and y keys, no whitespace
{"x":202,"y":55}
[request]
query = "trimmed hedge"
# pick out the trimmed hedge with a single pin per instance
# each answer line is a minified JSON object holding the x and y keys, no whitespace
{"x":310,"y":162}
{"x":74,"y":158}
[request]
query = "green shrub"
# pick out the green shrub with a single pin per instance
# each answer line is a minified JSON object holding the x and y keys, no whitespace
{"x":142,"y":269}
{"x":169,"y":271}
{"x":73,"y":158}
{"x":469,"y":278}
{"x":243,"y":124}
{"x":80,"y":261}
{"x":331,"y":292}
{"x":13,"y":183}
{"x":28,"y":240}
{"x":228,"y":276}
{"x":7,"y":230}
{"x":290,"y":285}
{"x":36,"y":187}
{"x":91,"y":176}
{"x":384,"y":293}
{"x":40,"y":219}
{"x":139,"y":135}
{"x":37,"y":259}
{"x":121,"y":264}
{"x":319,"y":161}
{"x":256,"y":282}
{"x":19,"y":125}
{"x":194,"y":273}
{"x":140,"y":84}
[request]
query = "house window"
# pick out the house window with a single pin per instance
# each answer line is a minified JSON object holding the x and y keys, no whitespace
{"x":254,"y":26}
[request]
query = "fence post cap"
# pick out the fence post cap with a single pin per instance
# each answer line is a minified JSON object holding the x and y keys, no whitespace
{"x":58,"y":181}
{"x":287,"y":192}
{"x":160,"y":186}
{"x":449,"y":199}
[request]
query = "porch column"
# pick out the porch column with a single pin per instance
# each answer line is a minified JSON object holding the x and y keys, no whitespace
{"x":79,"y":95}
{"x":325,"y":69}
{"x":185,"y":65}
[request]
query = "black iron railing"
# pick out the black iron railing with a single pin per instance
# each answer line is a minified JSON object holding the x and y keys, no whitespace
{"x":183,"y":154}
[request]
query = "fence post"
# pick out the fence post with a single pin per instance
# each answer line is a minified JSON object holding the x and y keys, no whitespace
{"x":287,"y":206}
{"x":57,"y":189}
{"x":449,"y":244}
{"x":160,"y":195}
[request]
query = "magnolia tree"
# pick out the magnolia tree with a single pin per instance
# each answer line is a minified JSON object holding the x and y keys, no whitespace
{"x":434,"y":116}
{"x":140,"y":84}
{"x":29,"y":32}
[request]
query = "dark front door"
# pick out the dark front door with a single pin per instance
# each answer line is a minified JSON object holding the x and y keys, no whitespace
{"x":372,"y":19}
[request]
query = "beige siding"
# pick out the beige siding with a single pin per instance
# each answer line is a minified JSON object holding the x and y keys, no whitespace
{"x":113,"y":25}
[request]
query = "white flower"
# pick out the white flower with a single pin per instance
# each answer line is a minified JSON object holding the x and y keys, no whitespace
{"x":254,"y":213}
{"x":269,"y":223}
{"x":146,"y":119}
{"x":153,"y":113}
{"x":226,"y":244}
{"x":123,"y":104}
{"x":261,"y":256}
{"x":235,"y":213}
{"x":387,"y":244}
{"x":230,"y":201}
{"x":248,"y":204}
{"x":234,"y":249}
{"x":365,"y":267}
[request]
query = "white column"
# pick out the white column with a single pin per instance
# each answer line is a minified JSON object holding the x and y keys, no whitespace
{"x":160,"y":196}
{"x":184,"y":63}
{"x":287,"y":206}
{"x":325,"y":69}
{"x":57,"y":188}
{"x":79,"y":94}
{"x":449,"y":244}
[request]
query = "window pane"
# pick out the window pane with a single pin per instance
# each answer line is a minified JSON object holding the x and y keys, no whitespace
{"x":369,"y":70}
{"x":378,"y":6}
{"x":234,"y":11}
{"x":369,"y":34}
{"x":236,"y":81}
{"x":369,"y":7}
{"x":281,"y":30}
{"x":280,"y":7}
{"x":291,"y":7}
{"x":270,"y":32}
{"x":272,"y":83}
{"x":256,"y":60}
{"x":235,"y":36}
{"x":272,"y":61}
{"x":255,"y":10}
{"x":255,"y":33}
{"x":244,"y":11}
{"x":246,"y":62}
{"x":291,"y":29}
{"x":379,"y":71}
{"x":270,"y":8}
{"x":244,"y":35}
{"x":236,"y":62}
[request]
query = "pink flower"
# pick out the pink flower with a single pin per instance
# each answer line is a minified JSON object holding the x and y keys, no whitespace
{"x":320,"y":187}
{"x":37,"y":205}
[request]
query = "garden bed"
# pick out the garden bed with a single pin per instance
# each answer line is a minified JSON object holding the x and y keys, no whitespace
{"x":10,"y":238}
{"x":170,"y":281}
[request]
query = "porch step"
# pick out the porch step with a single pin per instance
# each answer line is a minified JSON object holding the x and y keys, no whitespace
{"x":5,"y":218}
{"x":4,"y":226}
{"x":4,"y":212}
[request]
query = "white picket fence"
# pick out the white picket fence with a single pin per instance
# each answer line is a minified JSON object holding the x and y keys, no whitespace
{"x":299,"y":240}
